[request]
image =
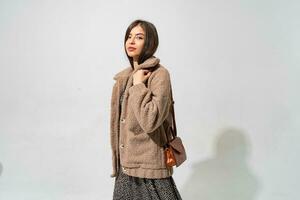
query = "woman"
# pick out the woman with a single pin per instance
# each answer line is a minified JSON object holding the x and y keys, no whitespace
{"x":140,"y":116}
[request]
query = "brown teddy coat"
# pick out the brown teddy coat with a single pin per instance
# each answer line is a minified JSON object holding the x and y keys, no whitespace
{"x":143,"y":120}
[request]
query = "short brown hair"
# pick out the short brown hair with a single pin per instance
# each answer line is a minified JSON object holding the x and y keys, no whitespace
{"x":151,"y":40}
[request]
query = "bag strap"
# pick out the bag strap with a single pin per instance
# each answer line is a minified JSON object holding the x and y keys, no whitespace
{"x":173,"y":130}
{"x":173,"y":113}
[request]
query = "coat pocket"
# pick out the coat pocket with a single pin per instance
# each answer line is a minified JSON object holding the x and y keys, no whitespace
{"x":143,"y":151}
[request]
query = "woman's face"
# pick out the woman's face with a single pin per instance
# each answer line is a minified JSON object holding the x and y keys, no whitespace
{"x":135,"y":42}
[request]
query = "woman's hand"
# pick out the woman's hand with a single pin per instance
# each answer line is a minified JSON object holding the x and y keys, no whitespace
{"x":141,"y":76}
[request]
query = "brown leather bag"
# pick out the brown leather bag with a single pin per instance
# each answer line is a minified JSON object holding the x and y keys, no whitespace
{"x":174,"y":150}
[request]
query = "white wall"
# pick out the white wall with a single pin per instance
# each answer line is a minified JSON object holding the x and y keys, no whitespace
{"x":234,"y":67}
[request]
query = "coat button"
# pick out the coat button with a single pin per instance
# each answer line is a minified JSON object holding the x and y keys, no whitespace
{"x":122,"y":146}
{"x":123,"y":120}
{"x":124,"y":169}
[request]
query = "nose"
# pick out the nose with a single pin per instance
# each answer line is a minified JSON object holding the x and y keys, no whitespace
{"x":131,"y":40}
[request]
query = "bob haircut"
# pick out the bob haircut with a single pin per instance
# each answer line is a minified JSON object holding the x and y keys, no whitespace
{"x":151,"y":40}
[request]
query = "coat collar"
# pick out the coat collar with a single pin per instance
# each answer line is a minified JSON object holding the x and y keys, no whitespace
{"x":149,"y":63}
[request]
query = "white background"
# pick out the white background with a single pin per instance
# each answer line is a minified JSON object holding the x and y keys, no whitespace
{"x":234,"y":68}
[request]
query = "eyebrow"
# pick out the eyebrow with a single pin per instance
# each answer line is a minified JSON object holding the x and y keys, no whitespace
{"x":138,"y":34}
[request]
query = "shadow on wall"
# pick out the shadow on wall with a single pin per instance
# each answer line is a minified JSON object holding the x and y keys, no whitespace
{"x":226,"y":176}
{"x":1,"y":167}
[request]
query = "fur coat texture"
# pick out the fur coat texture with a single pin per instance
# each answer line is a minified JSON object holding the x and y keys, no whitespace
{"x":138,"y":130}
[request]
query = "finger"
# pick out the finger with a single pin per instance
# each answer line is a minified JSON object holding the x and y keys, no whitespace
{"x":148,"y":74}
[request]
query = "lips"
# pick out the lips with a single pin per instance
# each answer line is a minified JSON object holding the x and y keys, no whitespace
{"x":131,"y":48}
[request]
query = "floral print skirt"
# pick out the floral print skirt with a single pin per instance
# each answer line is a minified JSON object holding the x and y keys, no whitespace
{"x":135,"y":188}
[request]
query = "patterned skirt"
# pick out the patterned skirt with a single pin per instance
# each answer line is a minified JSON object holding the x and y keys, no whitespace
{"x":135,"y":188}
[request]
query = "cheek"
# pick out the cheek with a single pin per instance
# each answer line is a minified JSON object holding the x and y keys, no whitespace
{"x":141,"y":46}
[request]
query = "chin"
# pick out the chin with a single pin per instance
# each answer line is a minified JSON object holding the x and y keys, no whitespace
{"x":131,"y":55}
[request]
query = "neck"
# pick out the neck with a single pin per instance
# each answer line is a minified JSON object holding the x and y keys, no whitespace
{"x":135,"y":63}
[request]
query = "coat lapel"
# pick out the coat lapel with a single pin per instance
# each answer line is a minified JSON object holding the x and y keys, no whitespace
{"x":119,"y":86}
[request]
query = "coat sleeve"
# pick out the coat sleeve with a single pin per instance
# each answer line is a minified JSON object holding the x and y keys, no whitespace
{"x":151,"y":105}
